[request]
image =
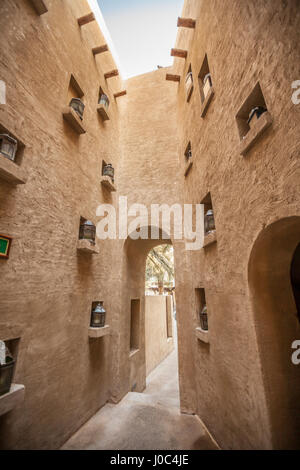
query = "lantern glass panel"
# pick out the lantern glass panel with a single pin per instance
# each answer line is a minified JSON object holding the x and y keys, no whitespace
{"x":204,"y":319}
{"x":8,"y":146}
{"x":6,"y":373}
{"x":209,"y":222}
{"x":87,"y":231}
{"x":207,"y":84}
{"x":78,"y":106}
{"x":104,"y":100}
{"x":98,"y":316}
{"x":189,"y":81}
{"x":108,"y":170}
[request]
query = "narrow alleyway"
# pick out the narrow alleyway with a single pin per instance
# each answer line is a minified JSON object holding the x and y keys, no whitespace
{"x":141,"y":421}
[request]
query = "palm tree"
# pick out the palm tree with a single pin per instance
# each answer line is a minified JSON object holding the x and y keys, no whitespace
{"x":160,"y":263}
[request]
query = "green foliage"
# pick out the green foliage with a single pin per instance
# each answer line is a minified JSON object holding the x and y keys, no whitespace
{"x":160,"y":265}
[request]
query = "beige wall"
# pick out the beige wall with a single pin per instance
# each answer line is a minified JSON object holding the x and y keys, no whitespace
{"x":158,"y":344}
{"x":245,"y":42}
{"x":47,"y":288}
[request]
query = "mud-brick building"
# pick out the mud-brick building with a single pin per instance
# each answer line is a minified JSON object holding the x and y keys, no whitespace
{"x":184,"y":139}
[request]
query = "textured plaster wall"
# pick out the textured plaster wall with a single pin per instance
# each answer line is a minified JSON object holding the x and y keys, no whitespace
{"x":245,"y":42}
{"x":47,"y":287}
{"x":158,"y":345}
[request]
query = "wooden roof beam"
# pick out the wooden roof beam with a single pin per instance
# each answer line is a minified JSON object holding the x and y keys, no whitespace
{"x":179,"y":53}
{"x":186,"y":23}
{"x":39,"y":6}
{"x":86,"y":19}
{"x":112,"y":73}
{"x":121,"y":93}
{"x":172,"y":78}
{"x":100,"y":49}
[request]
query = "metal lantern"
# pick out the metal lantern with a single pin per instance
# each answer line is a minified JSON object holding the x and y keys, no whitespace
{"x":108,"y":170}
{"x":8,"y":146}
{"x":104,"y":100}
{"x":256,"y":113}
{"x":98,"y":316}
{"x":207,"y":84}
{"x":87,"y":231}
{"x":6,"y":372}
{"x":203,"y":319}
{"x":209,"y":222}
{"x":78,"y":106}
{"x":189,"y":81}
{"x":189,"y":154}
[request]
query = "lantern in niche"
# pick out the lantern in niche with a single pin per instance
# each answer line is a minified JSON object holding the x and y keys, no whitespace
{"x":7,"y":365}
{"x":255,"y":114}
{"x":8,"y":146}
{"x":207,"y":84}
{"x":87,"y":231}
{"x":98,"y":316}
{"x":108,"y":170}
{"x":209,"y":222}
{"x":104,"y":101}
{"x":204,"y":319}
{"x":189,"y":82}
{"x":78,"y":106}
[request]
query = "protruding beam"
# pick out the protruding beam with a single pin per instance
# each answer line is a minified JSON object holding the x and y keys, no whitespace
{"x":86,"y":19}
{"x":113,"y":73}
{"x":39,"y":6}
{"x":121,"y":93}
{"x":100,"y":49}
{"x":172,"y":78}
{"x":186,"y":23}
{"x":179,"y":53}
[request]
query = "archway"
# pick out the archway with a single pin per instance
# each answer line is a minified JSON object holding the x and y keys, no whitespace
{"x":160,"y":326}
{"x":274,"y":283}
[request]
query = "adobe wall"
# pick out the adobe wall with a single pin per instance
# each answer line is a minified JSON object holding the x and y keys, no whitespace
{"x":148,"y":174}
{"x":245,"y":43}
{"x":158,"y":344}
{"x":47,"y":287}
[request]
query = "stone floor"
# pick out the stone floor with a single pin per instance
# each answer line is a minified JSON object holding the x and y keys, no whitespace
{"x":142,"y":421}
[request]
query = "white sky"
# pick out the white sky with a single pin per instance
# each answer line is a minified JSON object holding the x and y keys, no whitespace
{"x":143,"y":32}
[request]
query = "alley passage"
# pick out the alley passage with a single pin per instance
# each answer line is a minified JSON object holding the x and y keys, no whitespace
{"x":142,"y":421}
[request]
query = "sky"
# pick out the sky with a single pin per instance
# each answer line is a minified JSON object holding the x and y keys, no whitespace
{"x":143,"y":32}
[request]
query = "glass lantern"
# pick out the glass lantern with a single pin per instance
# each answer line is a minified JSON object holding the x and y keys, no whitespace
{"x":98,"y":316}
{"x":108,"y":170}
{"x":207,"y":84}
{"x":78,"y":106}
{"x":203,"y":319}
{"x":104,"y":100}
{"x":6,"y":373}
{"x":189,"y":82}
{"x":255,"y":114}
{"x":8,"y":146}
{"x":209,"y":222}
{"x":87,"y":231}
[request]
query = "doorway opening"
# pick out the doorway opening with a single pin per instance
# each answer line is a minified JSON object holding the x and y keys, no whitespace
{"x":160,"y":306}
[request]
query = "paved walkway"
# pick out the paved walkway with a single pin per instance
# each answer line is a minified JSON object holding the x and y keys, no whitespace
{"x":142,"y":421}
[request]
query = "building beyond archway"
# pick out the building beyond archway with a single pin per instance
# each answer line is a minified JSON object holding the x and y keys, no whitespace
{"x":274,"y":286}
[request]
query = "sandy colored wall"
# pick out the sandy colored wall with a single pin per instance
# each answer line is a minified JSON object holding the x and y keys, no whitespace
{"x":47,"y":287}
{"x":148,"y":174}
{"x":244,"y":43}
{"x":158,"y":344}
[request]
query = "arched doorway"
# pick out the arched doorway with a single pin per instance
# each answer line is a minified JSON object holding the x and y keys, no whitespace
{"x":274,"y":287}
{"x":160,"y":326}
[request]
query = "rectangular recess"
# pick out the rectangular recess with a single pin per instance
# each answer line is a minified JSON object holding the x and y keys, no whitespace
{"x":135,"y":307}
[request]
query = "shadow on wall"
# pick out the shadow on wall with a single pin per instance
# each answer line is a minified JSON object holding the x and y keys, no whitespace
{"x":273,"y":276}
